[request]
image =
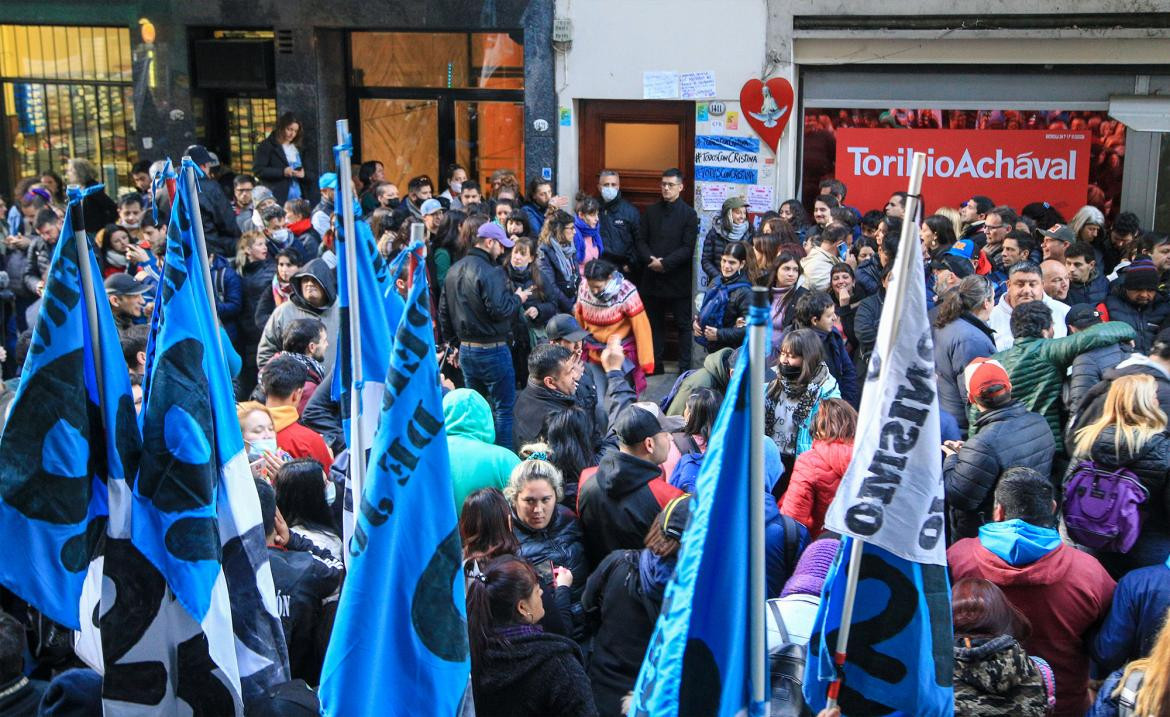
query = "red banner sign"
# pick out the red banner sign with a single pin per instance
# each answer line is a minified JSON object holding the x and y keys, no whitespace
{"x":1013,"y":167}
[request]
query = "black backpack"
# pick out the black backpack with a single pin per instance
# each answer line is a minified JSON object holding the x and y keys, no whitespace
{"x":786,"y":666}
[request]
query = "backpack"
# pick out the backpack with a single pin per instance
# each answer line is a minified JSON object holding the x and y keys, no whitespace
{"x":786,"y":667}
{"x":715,"y":305}
{"x":1102,"y":507}
{"x":664,"y":404}
{"x":1127,"y":698}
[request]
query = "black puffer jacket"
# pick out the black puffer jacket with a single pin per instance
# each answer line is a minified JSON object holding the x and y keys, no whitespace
{"x":1007,"y":437}
{"x":1088,"y":369}
{"x":476,"y":304}
{"x":1151,"y":465}
{"x":1093,"y":401}
{"x":620,"y":222}
{"x":558,"y":287}
{"x":532,"y":675}
{"x":1145,"y":320}
{"x":561,"y":541}
{"x":714,"y":244}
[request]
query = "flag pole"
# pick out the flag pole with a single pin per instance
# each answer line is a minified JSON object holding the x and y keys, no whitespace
{"x":906,"y":255}
{"x":757,"y":592}
{"x":81,"y":242}
{"x":201,"y":246}
{"x":341,"y":199}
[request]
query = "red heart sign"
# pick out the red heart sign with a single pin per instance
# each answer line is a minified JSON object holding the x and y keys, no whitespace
{"x":767,"y":106}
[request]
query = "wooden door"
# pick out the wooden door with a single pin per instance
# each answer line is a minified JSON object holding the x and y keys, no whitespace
{"x":638,"y":139}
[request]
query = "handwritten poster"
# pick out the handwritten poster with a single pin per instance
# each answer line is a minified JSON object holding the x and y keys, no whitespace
{"x":658,"y":85}
{"x":696,"y":85}
{"x":713,"y":195}
{"x":761,"y":198}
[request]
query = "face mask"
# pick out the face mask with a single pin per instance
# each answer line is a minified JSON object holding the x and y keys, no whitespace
{"x":790,"y":371}
{"x":258,"y":447}
{"x":394,"y":203}
{"x":609,"y":193}
{"x":456,"y":187}
{"x":330,"y":492}
{"x":281,"y":236}
{"x":128,"y":225}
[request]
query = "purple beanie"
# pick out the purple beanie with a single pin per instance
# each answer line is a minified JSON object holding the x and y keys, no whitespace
{"x":811,"y":569}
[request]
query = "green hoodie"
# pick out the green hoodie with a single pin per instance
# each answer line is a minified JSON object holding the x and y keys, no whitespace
{"x":476,"y":461}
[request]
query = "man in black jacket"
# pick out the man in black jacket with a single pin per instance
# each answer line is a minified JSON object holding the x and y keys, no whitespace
{"x":620,"y":222}
{"x":552,"y":388}
{"x":475,"y":314}
{"x":219,"y":220}
{"x":1137,"y":300}
{"x":666,"y":248}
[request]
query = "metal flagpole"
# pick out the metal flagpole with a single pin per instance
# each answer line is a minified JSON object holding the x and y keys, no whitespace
{"x":906,"y":254}
{"x":757,"y":592}
{"x":201,"y":246}
{"x":342,"y":201}
{"x":81,"y":242}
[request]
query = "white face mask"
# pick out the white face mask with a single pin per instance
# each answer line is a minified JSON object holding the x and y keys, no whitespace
{"x":456,"y":188}
{"x":609,"y":193}
{"x":330,"y":492}
{"x":259,"y":446}
{"x":281,"y":236}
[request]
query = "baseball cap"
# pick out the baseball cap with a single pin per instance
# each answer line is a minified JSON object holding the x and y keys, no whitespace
{"x":964,"y":248}
{"x":199,"y":155}
{"x":327,"y":181}
{"x":1082,"y":316}
{"x":491,"y":230}
{"x":430,"y":206}
{"x":734,"y":203}
{"x":124,"y":285}
{"x":958,"y":266}
{"x":641,"y":420}
{"x":677,"y":514}
{"x":564,"y":326}
{"x":986,"y":378}
{"x":1062,"y":232}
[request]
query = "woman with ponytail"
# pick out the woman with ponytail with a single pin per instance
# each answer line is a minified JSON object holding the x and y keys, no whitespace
{"x":517,"y":669}
{"x":961,"y":334}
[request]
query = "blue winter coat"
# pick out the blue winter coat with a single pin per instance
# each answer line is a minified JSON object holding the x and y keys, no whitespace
{"x":955,"y":345}
{"x":841,"y":366}
{"x":1139,"y":608}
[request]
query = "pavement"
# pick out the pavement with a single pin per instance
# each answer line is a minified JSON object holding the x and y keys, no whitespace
{"x":658,"y":386}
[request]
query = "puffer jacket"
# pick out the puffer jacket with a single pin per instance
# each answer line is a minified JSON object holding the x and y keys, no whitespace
{"x":619,"y":226}
{"x":815,"y":479}
{"x":1146,"y":320}
{"x":994,"y":676}
{"x":715,"y":375}
{"x":955,"y":345}
{"x":471,"y":435}
{"x":869,"y":275}
{"x":1151,"y":465}
{"x":1037,"y":367}
{"x":559,"y":288}
{"x":272,"y":339}
{"x":561,"y":542}
{"x":739,"y":299}
{"x":1093,"y":402}
{"x":1092,"y":291}
{"x":1088,"y":369}
{"x":714,"y":244}
{"x":1002,"y":438}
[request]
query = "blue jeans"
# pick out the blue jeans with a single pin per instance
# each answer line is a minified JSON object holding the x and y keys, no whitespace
{"x":490,"y":372}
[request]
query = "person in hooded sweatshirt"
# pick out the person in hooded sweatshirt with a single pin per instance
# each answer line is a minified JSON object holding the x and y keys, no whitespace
{"x":622,"y":600}
{"x":471,"y":439}
{"x":518,"y":669}
{"x":1064,"y":591}
{"x":993,"y":673}
{"x":314,"y":295}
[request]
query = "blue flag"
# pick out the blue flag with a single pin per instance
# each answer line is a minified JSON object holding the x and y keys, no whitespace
{"x":698,"y":658}
{"x":399,"y":643}
{"x":196,"y":513}
{"x":58,"y":464}
{"x":900,"y":654}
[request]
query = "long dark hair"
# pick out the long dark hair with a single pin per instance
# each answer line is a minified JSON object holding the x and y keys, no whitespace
{"x":537,"y":281}
{"x":979,"y":608}
{"x":943,"y":229}
{"x":702,"y":408}
{"x":807,"y":345}
{"x":300,"y":494}
{"x":567,"y":435}
{"x":447,"y":233}
{"x":366,"y":173}
{"x":800,"y":218}
{"x":282,"y":123}
{"x":492,"y":593}
{"x":483,"y":525}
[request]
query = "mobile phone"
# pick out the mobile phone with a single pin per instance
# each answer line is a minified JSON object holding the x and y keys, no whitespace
{"x":545,"y":571}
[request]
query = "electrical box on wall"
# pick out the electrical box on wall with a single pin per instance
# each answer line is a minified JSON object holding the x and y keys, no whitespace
{"x":562,"y":30}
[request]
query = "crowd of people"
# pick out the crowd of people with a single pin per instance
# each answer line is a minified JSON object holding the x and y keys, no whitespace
{"x":1052,"y":359}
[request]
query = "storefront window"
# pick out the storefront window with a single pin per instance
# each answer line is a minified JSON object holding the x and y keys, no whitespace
{"x":1025,"y":158}
{"x":437,"y":59}
{"x":67,"y":92}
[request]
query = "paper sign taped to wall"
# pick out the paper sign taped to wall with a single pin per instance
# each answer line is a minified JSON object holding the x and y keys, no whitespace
{"x":658,"y":85}
{"x":713,"y":195}
{"x":761,"y":198}
{"x":696,"y":85}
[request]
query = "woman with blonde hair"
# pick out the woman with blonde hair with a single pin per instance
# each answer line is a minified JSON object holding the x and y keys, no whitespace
{"x":952,"y":214}
{"x":1141,"y":688}
{"x":1131,"y":435}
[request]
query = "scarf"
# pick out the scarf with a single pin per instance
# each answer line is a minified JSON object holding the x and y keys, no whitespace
{"x":737,"y":231}
{"x":609,"y":294}
{"x":314,"y":368}
{"x":786,"y":414}
{"x":583,"y":231}
{"x":563,"y":263}
{"x":506,"y":633}
{"x":520,"y":277}
{"x":301,"y":226}
{"x":117,"y":259}
{"x":281,"y":291}
{"x":654,"y":572}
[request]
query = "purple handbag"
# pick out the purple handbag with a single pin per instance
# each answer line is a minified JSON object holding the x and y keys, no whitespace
{"x":1102,"y":508}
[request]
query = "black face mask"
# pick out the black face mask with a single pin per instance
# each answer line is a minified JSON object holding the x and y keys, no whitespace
{"x":394,"y":203}
{"x":790,"y":371}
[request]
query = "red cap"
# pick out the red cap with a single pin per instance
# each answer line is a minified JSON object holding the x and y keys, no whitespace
{"x":986,"y":378}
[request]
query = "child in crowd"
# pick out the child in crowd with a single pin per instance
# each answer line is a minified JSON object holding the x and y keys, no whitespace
{"x":818,"y":471}
{"x":586,"y":236}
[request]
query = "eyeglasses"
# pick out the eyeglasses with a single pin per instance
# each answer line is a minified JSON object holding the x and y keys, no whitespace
{"x":669,"y":185}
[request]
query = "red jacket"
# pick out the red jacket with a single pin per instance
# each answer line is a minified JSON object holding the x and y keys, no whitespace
{"x":297,"y":440}
{"x":1065,"y":594}
{"x":815,"y":478}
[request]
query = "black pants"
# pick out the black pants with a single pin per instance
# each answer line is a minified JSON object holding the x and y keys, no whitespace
{"x":680,"y":308}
